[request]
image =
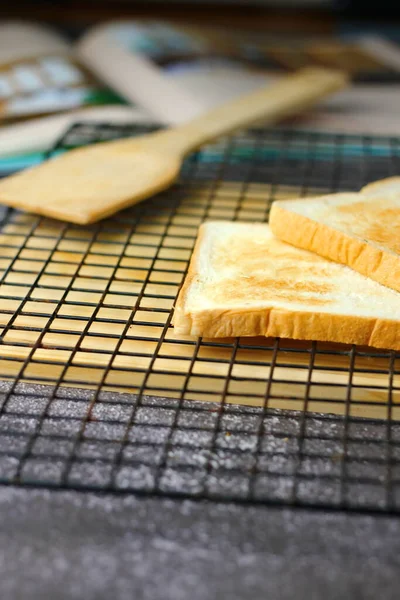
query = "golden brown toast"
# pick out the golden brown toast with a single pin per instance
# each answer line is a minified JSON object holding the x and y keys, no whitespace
{"x":242,"y":281}
{"x":361,"y":230}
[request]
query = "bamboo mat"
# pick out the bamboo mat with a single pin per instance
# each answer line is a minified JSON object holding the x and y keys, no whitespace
{"x":90,"y":307}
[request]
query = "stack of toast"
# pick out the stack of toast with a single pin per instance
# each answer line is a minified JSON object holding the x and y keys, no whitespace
{"x":325,"y":268}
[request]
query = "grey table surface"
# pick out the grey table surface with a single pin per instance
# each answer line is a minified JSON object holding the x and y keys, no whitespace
{"x":57,"y":545}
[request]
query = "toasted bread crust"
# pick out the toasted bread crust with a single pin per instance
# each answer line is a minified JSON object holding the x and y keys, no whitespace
{"x":179,"y":316}
{"x":302,"y":232}
{"x":296,"y":325}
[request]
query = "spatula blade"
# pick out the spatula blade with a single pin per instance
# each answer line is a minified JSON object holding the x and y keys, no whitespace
{"x":88,"y":184}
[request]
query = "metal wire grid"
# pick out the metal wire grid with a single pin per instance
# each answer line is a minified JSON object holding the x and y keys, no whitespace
{"x":97,"y":393}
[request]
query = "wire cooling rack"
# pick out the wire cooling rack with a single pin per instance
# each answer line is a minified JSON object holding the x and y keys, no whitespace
{"x":97,"y":392}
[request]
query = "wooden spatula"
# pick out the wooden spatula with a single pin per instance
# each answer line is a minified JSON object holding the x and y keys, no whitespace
{"x":90,"y":183}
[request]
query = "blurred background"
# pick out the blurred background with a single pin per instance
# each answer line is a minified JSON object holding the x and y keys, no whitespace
{"x":166,"y":62}
{"x":316,"y":15}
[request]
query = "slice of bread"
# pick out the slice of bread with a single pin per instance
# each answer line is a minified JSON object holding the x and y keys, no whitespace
{"x":361,"y":230}
{"x":388,"y":186}
{"x":242,"y":281}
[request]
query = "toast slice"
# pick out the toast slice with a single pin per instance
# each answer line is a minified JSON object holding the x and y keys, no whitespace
{"x":242,"y":281}
{"x":388,"y":186}
{"x":361,"y":230}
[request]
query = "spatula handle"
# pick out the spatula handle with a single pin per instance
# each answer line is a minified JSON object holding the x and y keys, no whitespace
{"x":288,"y":96}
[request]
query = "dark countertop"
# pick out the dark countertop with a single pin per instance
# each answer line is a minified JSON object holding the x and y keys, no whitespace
{"x":79,"y":545}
